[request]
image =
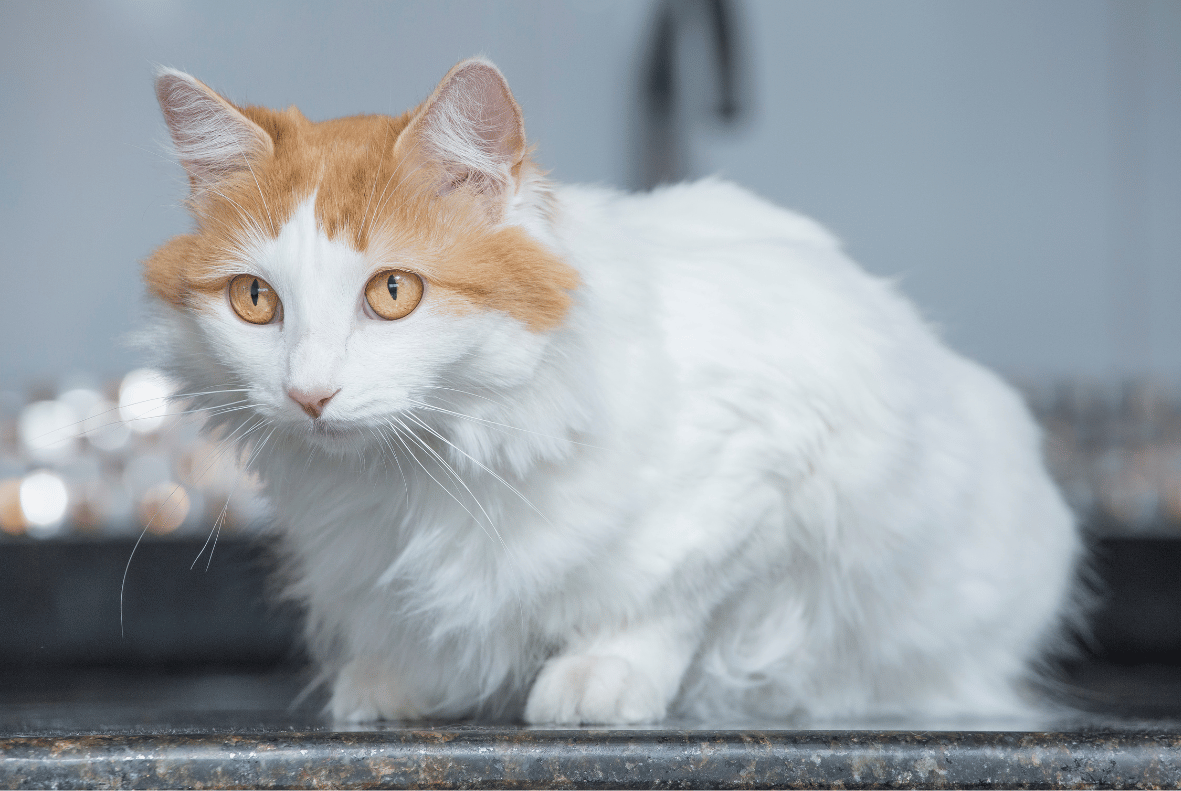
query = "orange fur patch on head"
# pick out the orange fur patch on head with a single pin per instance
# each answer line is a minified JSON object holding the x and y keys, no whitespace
{"x":374,"y":192}
{"x":450,"y":242}
{"x":167,"y":271}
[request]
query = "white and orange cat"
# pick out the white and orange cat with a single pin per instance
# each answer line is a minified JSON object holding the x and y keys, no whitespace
{"x":575,"y":456}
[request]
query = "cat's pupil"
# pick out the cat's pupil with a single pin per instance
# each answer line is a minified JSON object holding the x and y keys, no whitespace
{"x":393,"y":286}
{"x":254,"y":291}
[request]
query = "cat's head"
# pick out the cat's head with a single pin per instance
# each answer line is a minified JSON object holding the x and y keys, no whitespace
{"x":341,"y":272}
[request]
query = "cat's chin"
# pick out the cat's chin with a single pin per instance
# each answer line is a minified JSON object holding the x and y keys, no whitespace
{"x":339,"y":438}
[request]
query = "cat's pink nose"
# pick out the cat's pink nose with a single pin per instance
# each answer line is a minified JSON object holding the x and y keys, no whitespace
{"x":312,"y":401}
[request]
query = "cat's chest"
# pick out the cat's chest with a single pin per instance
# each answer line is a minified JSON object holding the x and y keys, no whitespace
{"x":424,"y":528}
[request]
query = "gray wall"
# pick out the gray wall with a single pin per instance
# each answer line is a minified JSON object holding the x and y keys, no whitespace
{"x":1016,"y":165}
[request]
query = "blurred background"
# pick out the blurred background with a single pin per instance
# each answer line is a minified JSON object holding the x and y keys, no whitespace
{"x":1015,"y":166}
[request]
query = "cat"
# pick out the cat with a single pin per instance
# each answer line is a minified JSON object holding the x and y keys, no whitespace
{"x":565,"y":455}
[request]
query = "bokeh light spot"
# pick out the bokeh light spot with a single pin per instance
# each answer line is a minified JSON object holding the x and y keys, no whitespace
{"x":43,"y":500}
{"x":143,"y":400}
{"x":47,"y":430}
{"x":12,"y":518}
{"x":164,"y":508}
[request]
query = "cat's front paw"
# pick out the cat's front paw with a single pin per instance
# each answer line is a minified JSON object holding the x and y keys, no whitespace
{"x":599,"y":690}
{"x":366,"y":691}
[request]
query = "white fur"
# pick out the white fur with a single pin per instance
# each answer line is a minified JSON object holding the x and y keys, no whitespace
{"x":742,"y":479}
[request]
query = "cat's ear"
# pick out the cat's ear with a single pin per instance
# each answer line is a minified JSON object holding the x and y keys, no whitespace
{"x":213,"y":138}
{"x":470,"y":133}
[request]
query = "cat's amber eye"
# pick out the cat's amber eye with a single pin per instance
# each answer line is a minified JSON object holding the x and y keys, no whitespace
{"x":253,"y":299}
{"x":394,"y":293}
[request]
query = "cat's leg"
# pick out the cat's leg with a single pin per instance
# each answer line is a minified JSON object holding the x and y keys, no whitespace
{"x":625,"y":677}
{"x":366,"y":690}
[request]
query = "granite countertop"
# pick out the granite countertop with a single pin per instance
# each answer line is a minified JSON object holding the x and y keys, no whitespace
{"x":222,"y":729}
{"x":458,"y":757}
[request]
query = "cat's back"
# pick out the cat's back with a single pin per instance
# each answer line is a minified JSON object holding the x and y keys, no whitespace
{"x":762,"y":321}
{"x":744,"y":291}
{"x":711,"y":210}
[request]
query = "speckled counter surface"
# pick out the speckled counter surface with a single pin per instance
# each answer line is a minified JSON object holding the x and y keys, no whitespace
{"x":226,"y":730}
{"x":512,"y":758}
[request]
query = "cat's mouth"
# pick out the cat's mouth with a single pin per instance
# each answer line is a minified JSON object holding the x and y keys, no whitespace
{"x":326,"y":433}
{"x":336,"y":437}
{"x":319,"y":427}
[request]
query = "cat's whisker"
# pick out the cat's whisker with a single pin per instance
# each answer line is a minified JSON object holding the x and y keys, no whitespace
{"x":455,"y":401}
{"x":382,"y":201}
{"x":204,"y":182}
{"x":452,"y":471}
{"x":376,"y":175}
{"x":207,"y":185}
{"x":380,"y":456}
{"x":210,"y":186}
{"x":228,"y":410}
{"x":434,"y":408}
{"x":401,"y":440}
{"x":502,"y":430}
{"x":307,"y":464}
{"x":261,"y":197}
{"x":225,"y":508}
{"x":507,"y":552}
{"x":481,"y":465}
{"x":214,"y":409}
{"x":130,"y":557}
{"x":246,"y":160}
{"x":70,"y":426}
{"x":215,"y":533}
{"x":226,"y":444}
{"x":464,"y":392}
{"x":406,"y":432}
{"x":452,"y":402}
{"x":381,"y":198}
{"x":385,"y":440}
{"x":500,"y":403}
{"x":144,"y":532}
{"x":405,"y":483}
{"x":208,"y":392}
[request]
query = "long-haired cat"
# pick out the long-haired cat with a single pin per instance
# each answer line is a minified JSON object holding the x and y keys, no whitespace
{"x":575,"y":456}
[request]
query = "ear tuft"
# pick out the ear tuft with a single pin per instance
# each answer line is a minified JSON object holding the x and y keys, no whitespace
{"x":213,"y":138}
{"x":471,"y":129}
